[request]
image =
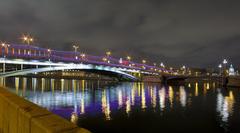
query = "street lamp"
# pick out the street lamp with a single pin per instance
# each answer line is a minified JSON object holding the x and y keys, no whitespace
{"x":144,"y":61}
{"x":49,"y":54}
{"x":3,"y":44}
{"x":5,"y":50}
{"x":225,"y":61}
{"x":184,"y":67}
{"x":129,"y":58}
{"x":162,"y":65}
{"x":3,"y":54}
{"x":224,"y":66}
{"x":220,"y":68}
{"x":28,"y":39}
{"x":75,"y":47}
{"x":108,"y":53}
{"x":83,"y":55}
{"x":104,"y":59}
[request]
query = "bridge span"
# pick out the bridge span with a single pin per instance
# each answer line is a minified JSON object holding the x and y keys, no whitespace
{"x":44,"y":60}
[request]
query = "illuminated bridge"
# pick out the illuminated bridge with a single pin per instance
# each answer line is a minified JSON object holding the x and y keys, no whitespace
{"x":44,"y":60}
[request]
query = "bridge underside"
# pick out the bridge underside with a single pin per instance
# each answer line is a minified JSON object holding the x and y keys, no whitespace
{"x":99,"y":70}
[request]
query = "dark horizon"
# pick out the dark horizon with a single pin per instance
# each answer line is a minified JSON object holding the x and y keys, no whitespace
{"x":191,"y":33}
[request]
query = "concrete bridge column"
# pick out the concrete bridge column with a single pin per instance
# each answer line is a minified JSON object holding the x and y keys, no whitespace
{"x":21,"y":66}
{"x":4,"y":67}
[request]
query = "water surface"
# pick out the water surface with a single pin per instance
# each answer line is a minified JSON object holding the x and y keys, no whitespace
{"x":100,"y":106}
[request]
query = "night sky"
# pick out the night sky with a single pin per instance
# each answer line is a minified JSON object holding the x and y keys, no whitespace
{"x":193,"y":33}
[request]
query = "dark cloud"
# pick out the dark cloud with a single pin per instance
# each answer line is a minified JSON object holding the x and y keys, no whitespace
{"x":196,"y":33}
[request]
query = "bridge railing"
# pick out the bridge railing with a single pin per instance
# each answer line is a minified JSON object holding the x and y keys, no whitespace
{"x":29,"y":52}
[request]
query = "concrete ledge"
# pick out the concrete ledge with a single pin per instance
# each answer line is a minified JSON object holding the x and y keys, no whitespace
{"x":18,"y":115}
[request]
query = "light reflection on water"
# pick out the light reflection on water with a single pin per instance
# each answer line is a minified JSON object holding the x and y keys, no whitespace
{"x":80,"y":99}
{"x":225,"y":106}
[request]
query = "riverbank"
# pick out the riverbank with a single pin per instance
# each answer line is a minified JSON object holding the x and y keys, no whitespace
{"x":18,"y":115}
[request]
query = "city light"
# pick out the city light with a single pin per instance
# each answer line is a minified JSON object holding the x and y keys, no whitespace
{"x":225,"y":61}
{"x":75,"y":47}
{"x":104,"y":59}
{"x":120,"y":66}
{"x":144,"y":61}
{"x":220,"y":66}
{"x":83,"y":55}
{"x":3,"y":44}
{"x":27,"y":39}
{"x":108,"y":53}
{"x":162,"y":65}
{"x":129,"y":58}
{"x":183,"y":67}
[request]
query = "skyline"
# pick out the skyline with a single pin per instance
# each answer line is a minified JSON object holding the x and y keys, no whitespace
{"x":181,"y":33}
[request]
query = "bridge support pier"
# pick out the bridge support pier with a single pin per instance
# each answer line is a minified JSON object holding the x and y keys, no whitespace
{"x":4,"y":68}
{"x":21,"y":66}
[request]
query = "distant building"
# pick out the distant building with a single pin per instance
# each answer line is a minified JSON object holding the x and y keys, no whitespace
{"x":231,"y":71}
{"x":198,"y":71}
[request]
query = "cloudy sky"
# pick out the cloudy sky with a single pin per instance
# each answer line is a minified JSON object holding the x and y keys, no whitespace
{"x":197,"y":33}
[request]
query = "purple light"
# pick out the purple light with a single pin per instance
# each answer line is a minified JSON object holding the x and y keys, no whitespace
{"x":38,"y":53}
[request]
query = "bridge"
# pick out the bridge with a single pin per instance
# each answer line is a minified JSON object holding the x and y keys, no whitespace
{"x":44,"y":60}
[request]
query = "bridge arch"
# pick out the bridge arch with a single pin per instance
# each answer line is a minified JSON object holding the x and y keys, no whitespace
{"x":69,"y":67}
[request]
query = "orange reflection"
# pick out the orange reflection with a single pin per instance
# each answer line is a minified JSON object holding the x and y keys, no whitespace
{"x":196,"y":89}
{"x":162,"y":98}
{"x":171,"y":95}
{"x":105,"y":105}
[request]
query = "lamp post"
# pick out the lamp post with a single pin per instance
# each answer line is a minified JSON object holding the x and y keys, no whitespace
{"x":28,"y":39}
{"x":183,"y":68}
{"x":75,"y":47}
{"x":162,"y":65}
{"x":225,"y":67}
{"x":144,"y":62}
{"x":3,"y":55}
{"x":220,"y":69}
{"x":3,"y":50}
{"x":108,"y":53}
{"x":83,"y":56}
{"x":129,"y":60}
{"x":49,"y":54}
{"x":104,"y":59}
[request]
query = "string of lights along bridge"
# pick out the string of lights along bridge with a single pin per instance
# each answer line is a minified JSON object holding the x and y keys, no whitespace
{"x":32,"y":52}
